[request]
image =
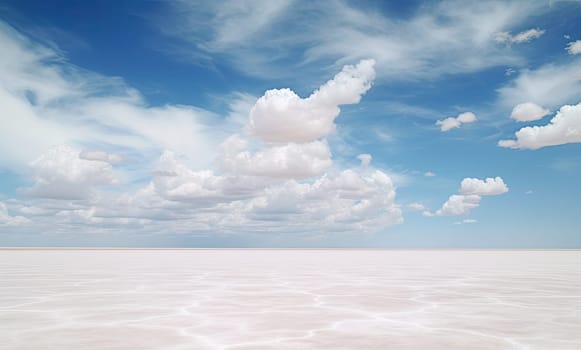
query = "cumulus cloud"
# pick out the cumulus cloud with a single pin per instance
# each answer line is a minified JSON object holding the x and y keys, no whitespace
{"x":429,"y":174}
{"x":61,"y":174}
{"x":458,"y":205}
{"x":470,"y":195}
{"x":528,"y":111}
{"x":280,"y":180}
{"x":292,"y":160}
{"x":522,"y":37}
{"x":282,"y":116}
{"x":574,"y":47}
{"x":7,"y":219}
{"x":348,"y":200}
{"x":451,"y":122}
{"x":352,"y":199}
{"x":564,"y":127}
{"x":488,"y":187}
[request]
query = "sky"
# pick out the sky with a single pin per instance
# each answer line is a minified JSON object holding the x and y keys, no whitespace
{"x":437,"y":124}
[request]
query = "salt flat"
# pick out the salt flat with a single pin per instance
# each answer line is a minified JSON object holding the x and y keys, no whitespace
{"x":290,"y":299}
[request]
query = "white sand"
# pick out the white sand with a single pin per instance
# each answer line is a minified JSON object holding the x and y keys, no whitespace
{"x":290,"y":299}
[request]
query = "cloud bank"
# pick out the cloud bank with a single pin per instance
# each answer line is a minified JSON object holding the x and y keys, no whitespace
{"x":274,"y":174}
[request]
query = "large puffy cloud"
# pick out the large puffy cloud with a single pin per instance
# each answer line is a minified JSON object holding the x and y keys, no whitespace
{"x":565,"y":127}
{"x":456,"y":122}
{"x":528,"y":111}
{"x":348,"y":200}
{"x":282,"y":116}
{"x":61,"y":173}
{"x":7,"y":219}
{"x":284,"y":182}
{"x":522,"y":37}
{"x":287,"y":161}
{"x":352,"y":199}
{"x":488,"y":187}
{"x":471,"y":192}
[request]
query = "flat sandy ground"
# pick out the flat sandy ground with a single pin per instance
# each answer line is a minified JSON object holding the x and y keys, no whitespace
{"x":289,"y":299}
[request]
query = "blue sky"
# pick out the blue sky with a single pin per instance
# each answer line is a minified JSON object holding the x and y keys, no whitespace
{"x":288,"y":124}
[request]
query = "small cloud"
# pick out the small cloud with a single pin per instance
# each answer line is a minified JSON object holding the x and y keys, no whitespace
{"x":471,"y":192}
{"x":574,"y":47}
{"x":384,"y":136}
{"x":488,"y":187}
{"x":567,"y":36}
{"x":522,"y":37}
{"x":466,"y":221}
{"x":365,"y":159}
{"x":509,"y":71}
{"x":451,"y":122}
{"x":529,"y":192}
{"x":528,"y":111}
{"x":429,"y":174}
{"x":417,"y":206}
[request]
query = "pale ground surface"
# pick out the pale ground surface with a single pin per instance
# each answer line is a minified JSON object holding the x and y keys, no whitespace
{"x":290,"y":299}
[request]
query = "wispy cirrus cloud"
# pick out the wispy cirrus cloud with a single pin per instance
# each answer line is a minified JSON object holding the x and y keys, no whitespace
{"x":456,"y":37}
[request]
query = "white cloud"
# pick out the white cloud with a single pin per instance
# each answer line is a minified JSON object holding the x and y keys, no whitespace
{"x":466,"y":221}
{"x":528,"y":111}
{"x":417,"y":206}
{"x":451,"y":122}
{"x":429,"y":174}
{"x":565,"y":127}
{"x":6,"y":219}
{"x":365,"y":159}
{"x":456,"y":36}
{"x":470,"y":195}
{"x":61,"y":174}
{"x":292,"y":160}
{"x":459,"y":205}
{"x":488,"y":187}
{"x":283,"y":181}
{"x":549,"y":86}
{"x":574,"y":47}
{"x":522,"y":37}
{"x":353,"y":199}
{"x":282,"y":116}
{"x":46,"y":101}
